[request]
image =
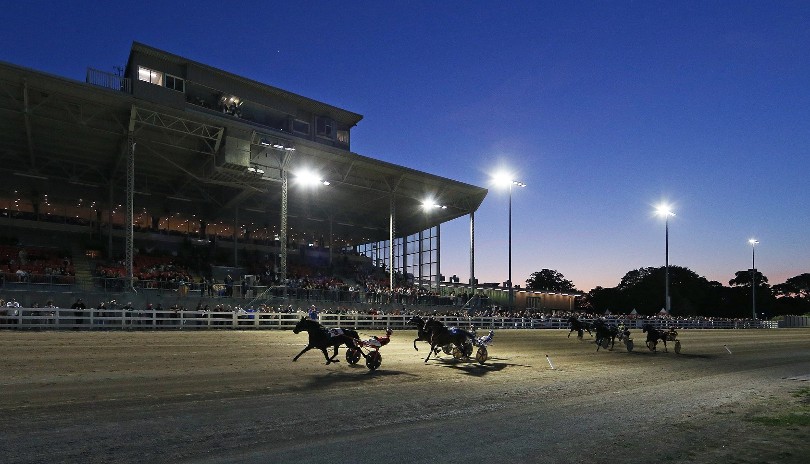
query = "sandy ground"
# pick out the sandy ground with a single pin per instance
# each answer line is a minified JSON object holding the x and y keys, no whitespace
{"x":236,"y":396}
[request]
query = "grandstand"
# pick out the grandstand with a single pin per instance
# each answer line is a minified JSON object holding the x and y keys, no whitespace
{"x":172,"y":175}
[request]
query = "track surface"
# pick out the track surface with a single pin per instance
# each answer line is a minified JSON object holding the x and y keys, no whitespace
{"x":236,"y":396}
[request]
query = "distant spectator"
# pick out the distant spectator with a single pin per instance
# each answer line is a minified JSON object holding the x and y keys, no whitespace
{"x":78,"y":306}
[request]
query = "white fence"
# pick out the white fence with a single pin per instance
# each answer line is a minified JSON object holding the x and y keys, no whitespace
{"x":795,"y":321}
{"x":109,"y":319}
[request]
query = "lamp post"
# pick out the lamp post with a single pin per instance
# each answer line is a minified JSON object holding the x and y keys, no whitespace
{"x":506,"y":179}
{"x":665,"y":211}
{"x":753,"y":242}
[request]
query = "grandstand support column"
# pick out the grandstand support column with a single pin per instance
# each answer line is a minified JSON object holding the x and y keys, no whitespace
{"x":128,"y":228}
{"x":283,"y":229}
{"x":110,"y":220}
{"x":419,"y":250}
{"x":438,"y":255}
{"x":472,"y":250}
{"x":392,"y":209}
{"x":331,"y":240}
{"x":235,"y":236}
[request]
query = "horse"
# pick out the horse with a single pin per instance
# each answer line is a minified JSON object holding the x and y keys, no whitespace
{"x":320,"y":337}
{"x":653,"y":335}
{"x":605,"y":332}
{"x":576,"y":325}
{"x":440,"y":335}
{"x":422,"y":335}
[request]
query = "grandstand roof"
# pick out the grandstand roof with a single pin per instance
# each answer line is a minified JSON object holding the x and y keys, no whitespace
{"x":68,"y":139}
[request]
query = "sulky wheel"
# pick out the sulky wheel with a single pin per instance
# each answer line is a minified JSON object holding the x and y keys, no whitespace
{"x":629,"y":345}
{"x":468,"y":349}
{"x":677,"y":347}
{"x":448,"y":349}
{"x":481,"y":355}
{"x":373,"y":360}
{"x":353,"y":355}
{"x":457,"y":353}
{"x":605,"y":343}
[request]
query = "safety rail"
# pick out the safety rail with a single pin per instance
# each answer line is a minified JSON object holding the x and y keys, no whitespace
{"x":108,"y":80}
{"x":62,"y":318}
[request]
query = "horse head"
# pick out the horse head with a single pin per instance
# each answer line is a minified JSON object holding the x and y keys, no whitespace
{"x":417,"y":321}
{"x":301,"y":325}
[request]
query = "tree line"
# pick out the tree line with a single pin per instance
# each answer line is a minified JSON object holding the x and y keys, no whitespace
{"x":690,"y":294}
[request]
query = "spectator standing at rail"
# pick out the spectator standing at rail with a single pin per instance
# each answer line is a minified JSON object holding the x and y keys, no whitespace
{"x":78,"y":306}
{"x":228,"y":285}
{"x":313,"y":313}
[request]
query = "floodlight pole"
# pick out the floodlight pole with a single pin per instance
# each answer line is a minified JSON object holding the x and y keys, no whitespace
{"x":512,"y":183}
{"x":666,"y":261}
{"x":753,"y":278}
{"x":509,"y":282}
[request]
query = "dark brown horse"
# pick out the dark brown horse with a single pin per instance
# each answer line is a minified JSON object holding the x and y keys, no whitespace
{"x":653,"y":335}
{"x":320,"y":337}
{"x":440,"y":335}
{"x":422,"y":335}
{"x":576,"y":325}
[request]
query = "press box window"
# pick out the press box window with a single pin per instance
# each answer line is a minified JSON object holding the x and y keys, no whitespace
{"x":324,"y":127}
{"x":150,"y":75}
{"x":301,"y":127}
{"x":175,"y":83}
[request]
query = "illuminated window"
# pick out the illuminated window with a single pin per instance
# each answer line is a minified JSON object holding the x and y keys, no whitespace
{"x":343,"y":136}
{"x":175,"y":83}
{"x":150,"y":75}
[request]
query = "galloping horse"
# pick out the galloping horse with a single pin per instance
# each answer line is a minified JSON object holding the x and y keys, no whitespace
{"x":422,"y":335}
{"x":605,"y":332}
{"x":576,"y":325}
{"x":320,"y":337}
{"x":653,"y":335}
{"x":440,"y":335}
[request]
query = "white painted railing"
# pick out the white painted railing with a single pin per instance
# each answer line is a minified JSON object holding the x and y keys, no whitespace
{"x":56,"y":318}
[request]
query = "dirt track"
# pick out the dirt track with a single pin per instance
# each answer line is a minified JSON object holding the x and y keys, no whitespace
{"x":236,"y":396}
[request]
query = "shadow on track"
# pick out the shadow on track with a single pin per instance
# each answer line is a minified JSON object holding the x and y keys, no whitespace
{"x":336,"y":378}
{"x":475,"y":369}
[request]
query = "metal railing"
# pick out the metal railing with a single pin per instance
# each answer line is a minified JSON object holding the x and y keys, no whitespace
{"x":108,"y":80}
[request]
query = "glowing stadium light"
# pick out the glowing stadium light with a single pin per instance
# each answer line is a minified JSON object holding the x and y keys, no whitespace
{"x":430,"y":204}
{"x":310,"y":178}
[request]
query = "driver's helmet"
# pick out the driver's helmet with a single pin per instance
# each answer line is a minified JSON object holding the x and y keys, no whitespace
{"x":388,"y":332}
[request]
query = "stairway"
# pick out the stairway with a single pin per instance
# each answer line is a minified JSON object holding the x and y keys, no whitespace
{"x":82,"y":266}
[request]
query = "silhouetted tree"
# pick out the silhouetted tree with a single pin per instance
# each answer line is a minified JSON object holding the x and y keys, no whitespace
{"x":793,"y":296}
{"x":549,"y":280}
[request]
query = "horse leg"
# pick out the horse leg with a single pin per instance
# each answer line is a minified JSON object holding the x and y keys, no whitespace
{"x":326,"y":355}
{"x":570,"y":332}
{"x":414,"y":343}
{"x":432,"y":347}
{"x":307,"y":348}
{"x":665,"y":344}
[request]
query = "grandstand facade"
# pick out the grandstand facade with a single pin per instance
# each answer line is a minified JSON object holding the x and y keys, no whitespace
{"x":171,"y":157}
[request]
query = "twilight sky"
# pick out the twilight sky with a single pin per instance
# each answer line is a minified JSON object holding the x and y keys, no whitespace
{"x":604,"y":109}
